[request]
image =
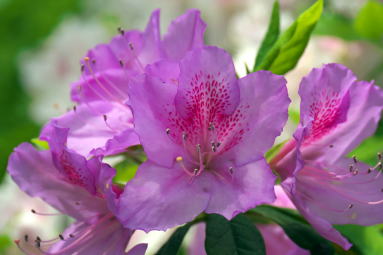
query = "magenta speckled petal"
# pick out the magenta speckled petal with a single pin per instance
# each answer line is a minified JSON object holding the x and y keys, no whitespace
{"x":35,"y":173}
{"x":337,"y":112}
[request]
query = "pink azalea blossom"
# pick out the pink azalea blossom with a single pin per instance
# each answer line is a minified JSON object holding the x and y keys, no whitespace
{"x":205,"y":133}
{"x":337,"y":113}
{"x":76,"y":187}
{"x":102,"y":123}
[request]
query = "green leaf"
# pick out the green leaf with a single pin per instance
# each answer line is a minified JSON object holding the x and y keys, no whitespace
{"x":40,"y":144}
{"x":297,"y":229}
{"x":125,"y":171}
{"x":369,"y":20}
{"x":290,"y":46}
{"x":173,"y":245}
{"x":236,"y":237}
{"x":271,"y":36}
{"x":369,"y":240}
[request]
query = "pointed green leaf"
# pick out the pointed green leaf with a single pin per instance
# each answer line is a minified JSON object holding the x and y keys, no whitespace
{"x":173,"y":245}
{"x":271,"y":36}
{"x":297,"y":229}
{"x":236,"y":237}
{"x":290,"y":46}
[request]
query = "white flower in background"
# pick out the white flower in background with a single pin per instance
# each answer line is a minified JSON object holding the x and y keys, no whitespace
{"x":48,"y":71}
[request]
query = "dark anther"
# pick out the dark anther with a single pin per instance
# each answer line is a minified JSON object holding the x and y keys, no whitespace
{"x":71,"y":235}
{"x":82,"y":68}
{"x":33,"y":211}
{"x":369,"y":170}
{"x":26,"y":238}
{"x":121,"y":63}
{"x":61,"y":237}
{"x":38,"y":239}
{"x":350,"y":206}
{"x":121,"y":31}
{"x":351,"y":168}
{"x":331,"y":146}
{"x":231,"y":170}
{"x":105,"y":117}
{"x":74,"y":108}
{"x":380,"y":157}
{"x":355,"y":160}
{"x":168,"y":131}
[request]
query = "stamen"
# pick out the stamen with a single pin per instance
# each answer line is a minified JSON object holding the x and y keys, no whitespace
{"x":167,"y":131}
{"x":121,"y":63}
{"x":355,"y":159}
{"x":121,"y":31}
{"x":61,"y":237}
{"x":350,"y":206}
{"x":44,"y":214}
{"x":231,"y":170}
{"x":179,"y":160}
{"x":380,"y":157}
{"x":26,"y":238}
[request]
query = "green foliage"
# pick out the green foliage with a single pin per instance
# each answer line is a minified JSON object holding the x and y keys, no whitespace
{"x":369,"y":21}
{"x":5,"y":243}
{"x":338,"y":25}
{"x":369,"y":240}
{"x":126,"y":170}
{"x":271,"y":36}
{"x":40,"y":144}
{"x":173,"y":245}
{"x":297,"y":229}
{"x":287,"y":50}
{"x":23,"y":25}
{"x":236,"y":237}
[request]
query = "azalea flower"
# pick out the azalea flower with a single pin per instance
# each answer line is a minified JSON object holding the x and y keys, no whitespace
{"x":337,"y":114}
{"x":101,"y":124}
{"x":204,"y":132}
{"x":76,"y":187}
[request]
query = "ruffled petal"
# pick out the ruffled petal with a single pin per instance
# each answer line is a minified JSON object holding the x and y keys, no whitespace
{"x":259,"y":118}
{"x":35,"y":174}
{"x":245,"y":188}
{"x":97,"y":128}
{"x":159,"y":198}
{"x":100,"y":238}
{"x":341,"y":196}
{"x":185,"y":33}
{"x":320,"y":224}
{"x":337,"y":112}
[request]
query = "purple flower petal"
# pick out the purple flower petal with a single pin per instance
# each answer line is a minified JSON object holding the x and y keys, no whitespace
{"x":96,"y":128}
{"x":35,"y":173}
{"x":158,"y":198}
{"x":245,"y":188}
{"x":103,"y":237}
{"x":337,"y":112}
{"x":262,"y":114}
{"x":185,"y":33}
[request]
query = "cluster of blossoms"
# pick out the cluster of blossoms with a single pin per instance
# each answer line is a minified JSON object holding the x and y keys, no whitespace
{"x":205,"y":133}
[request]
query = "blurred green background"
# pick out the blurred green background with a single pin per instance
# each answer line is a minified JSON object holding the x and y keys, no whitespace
{"x":43,"y":40}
